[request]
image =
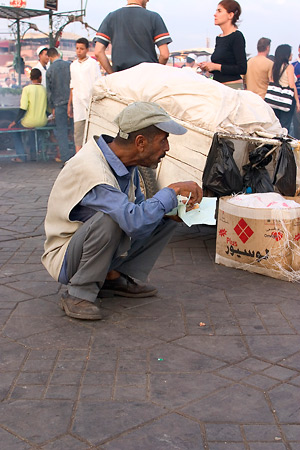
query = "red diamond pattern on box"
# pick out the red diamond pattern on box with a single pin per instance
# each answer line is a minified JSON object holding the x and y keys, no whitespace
{"x":243,"y":231}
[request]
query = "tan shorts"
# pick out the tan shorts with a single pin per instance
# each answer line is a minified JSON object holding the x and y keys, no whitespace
{"x":79,"y":132}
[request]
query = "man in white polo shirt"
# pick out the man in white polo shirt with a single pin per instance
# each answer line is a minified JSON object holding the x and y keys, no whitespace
{"x":85,"y":71}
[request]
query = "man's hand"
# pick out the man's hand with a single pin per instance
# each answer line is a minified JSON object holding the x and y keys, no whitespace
{"x":11,"y":125}
{"x":70,"y":111}
{"x":186,"y":188}
{"x":210,"y":66}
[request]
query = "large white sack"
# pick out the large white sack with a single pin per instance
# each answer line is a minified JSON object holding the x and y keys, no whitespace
{"x":191,"y":97}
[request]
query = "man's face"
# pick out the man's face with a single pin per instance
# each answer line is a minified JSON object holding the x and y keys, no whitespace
{"x":44,"y":58}
{"x":81,"y":51}
{"x":299,"y":51}
{"x":155,"y":149}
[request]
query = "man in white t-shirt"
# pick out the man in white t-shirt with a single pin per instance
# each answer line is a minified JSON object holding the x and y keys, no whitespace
{"x":43,"y":63}
{"x":85,"y":71}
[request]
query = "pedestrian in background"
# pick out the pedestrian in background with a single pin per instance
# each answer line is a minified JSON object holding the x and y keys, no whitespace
{"x":283,"y":74}
{"x":58,"y":92}
{"x":32,"y":113}
{"x":191,"y":62}
{"x":43,"y":63}
{"x":7,"y":82}
{"x":133,"y":33}
{"x":296,"y":116}
{"x":228,"y":61}
{"x":85,"y":71}
{"x":259,"y":69}
{"x":14,"y":84}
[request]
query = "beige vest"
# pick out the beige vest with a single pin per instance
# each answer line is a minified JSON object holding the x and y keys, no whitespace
{"x":83,"y":172}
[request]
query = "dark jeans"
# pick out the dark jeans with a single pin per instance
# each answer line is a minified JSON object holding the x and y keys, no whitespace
{"x":61,"y":122}
{"x":285,"y":118}
{"x":19,"y":145}
{"x":296,"y":123}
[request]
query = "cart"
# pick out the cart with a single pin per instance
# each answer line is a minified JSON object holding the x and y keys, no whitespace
{"x":201,"y":105}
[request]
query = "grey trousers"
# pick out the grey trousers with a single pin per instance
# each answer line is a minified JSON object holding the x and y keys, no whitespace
{"x":100,"y":245}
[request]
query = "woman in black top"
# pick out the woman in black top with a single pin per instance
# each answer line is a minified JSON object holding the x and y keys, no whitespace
{"x":228,"y":61}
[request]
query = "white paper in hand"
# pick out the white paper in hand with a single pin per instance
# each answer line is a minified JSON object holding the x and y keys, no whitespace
{"x":203,"y":213}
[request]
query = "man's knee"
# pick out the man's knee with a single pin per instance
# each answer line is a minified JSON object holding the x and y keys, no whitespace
{"x":98,"y":235}
{"x":105,"y":228}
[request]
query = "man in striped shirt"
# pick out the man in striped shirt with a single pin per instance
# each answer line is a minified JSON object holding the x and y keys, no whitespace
{"x":133,"y":31}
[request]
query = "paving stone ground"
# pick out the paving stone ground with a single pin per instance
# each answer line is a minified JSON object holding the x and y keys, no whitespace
{"x":147,"y":377}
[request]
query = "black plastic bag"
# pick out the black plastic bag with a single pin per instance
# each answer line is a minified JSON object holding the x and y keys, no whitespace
{"x":258,"y":157}
{"x":285,"y":171}
{"x":221,"y":174}
{"x":256,"y":179}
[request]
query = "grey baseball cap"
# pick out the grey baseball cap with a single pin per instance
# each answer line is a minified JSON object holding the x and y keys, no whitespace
{"x":139,"y":115}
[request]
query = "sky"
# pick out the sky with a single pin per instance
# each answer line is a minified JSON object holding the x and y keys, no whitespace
{"x":191,"y":22}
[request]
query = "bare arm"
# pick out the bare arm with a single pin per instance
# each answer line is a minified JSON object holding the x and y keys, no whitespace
{"x":163,"y":54}
{"x":270,"y":73}
{"x":102,"y":58}
{"x":70,"y":102}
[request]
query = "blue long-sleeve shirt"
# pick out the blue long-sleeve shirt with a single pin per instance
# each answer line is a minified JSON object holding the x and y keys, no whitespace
{"x":138,"y":219}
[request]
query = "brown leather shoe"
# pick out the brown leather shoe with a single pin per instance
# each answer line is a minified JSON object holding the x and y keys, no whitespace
{"x":79,"y":308}
{"x":125,"y":286}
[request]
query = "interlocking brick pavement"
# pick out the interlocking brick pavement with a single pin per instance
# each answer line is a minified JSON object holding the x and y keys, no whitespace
{"x":147,"y":377}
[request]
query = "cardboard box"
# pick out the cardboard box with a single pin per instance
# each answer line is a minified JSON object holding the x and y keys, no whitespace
{"x":264,"y":241}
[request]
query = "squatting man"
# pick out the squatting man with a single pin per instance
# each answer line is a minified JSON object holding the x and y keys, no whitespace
{"x":102,"y":236}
